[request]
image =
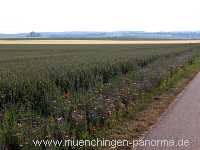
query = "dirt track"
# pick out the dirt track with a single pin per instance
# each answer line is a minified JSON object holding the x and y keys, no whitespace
{"x":98,"y":41}
{"x":180,"y":121}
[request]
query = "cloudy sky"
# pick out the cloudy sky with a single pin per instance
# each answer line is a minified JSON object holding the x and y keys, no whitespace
{"x":99,"y":15}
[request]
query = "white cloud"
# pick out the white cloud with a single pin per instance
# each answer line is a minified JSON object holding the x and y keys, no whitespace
{"x":98,"y":15}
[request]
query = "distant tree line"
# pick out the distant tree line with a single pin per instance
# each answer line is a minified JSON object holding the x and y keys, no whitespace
{"x":34,"y":34}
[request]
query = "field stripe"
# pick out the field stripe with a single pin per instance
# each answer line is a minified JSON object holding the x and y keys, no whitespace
{"x":99,"y":41}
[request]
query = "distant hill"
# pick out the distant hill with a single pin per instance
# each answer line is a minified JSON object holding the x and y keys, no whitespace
{"x":106,"y":35}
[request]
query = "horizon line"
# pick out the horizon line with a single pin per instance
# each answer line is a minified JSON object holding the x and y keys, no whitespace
{"x":102,"y":31}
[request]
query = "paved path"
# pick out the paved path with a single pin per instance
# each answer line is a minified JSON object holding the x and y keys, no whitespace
{"x":180,"y":121}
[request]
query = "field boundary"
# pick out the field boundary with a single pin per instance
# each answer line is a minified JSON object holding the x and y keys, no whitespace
{"x":144,"y":120}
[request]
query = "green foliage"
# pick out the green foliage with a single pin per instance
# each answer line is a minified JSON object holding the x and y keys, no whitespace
{"x":59,"y":91}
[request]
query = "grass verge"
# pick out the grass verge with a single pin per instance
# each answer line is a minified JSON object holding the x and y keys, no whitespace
{"x":147,"y":113}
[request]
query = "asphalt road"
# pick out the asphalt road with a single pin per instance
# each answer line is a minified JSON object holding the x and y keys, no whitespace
{"x":179,"y":127}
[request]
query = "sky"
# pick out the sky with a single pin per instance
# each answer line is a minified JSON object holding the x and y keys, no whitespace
{"x":17,"y":16}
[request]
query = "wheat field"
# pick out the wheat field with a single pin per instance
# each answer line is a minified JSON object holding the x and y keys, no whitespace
{"x":98,"y":41}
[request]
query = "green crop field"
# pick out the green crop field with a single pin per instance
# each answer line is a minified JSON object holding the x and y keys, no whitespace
{"x":59,"y":91}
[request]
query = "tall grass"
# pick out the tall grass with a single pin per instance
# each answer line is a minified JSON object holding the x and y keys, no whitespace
{"x":61,"y":91}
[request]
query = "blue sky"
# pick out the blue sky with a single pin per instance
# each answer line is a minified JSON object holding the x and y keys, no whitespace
{"x":99,"y":15}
